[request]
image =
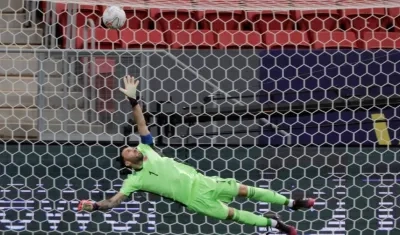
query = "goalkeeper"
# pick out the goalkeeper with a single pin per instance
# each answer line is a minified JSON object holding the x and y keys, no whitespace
{"x":171,"y":179}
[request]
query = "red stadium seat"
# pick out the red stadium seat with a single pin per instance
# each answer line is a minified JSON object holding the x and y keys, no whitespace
{"x":193,"y":39}
{"x":104,"y":39}
{"x":394,"y":18}
{"x":239,"y":39}
{"x":142,"y":38}
{"x":286,"y":39}
{"x":137,"y":18}
{"x":317,"y":20}
{"x":334,"y":40}
{"x":85,"y":12}
{"x":220,"y":20}
{"x":381,"y":40}
{"x":361,"y":20}
{"x":59,"y":7}
{"x":207,"y":4}
{"x":173,"y":19}
{"x":169,"y":21}
{"x":264,"y":21}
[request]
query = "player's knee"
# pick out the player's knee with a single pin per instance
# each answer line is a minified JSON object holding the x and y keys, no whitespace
{"x":231,"y":213}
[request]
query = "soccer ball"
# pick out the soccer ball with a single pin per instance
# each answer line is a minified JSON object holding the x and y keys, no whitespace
{"x":114,"y":17}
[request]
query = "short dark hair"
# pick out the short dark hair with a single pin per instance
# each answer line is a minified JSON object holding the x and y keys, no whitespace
{"x":124,"y":170}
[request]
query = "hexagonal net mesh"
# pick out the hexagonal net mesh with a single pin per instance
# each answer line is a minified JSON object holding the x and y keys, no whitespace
{"x":299,"y":97}
{"x":241,"y":4}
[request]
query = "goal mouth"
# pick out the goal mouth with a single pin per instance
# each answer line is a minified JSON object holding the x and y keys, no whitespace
{"x":299,"y":97}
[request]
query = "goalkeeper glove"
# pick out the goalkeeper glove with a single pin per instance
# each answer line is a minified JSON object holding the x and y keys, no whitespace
{"x":86,"y":205}
{"x":130,"y":89}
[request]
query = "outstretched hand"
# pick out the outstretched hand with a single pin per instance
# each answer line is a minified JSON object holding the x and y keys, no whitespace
{"x":85,"y":205}
{"x":130,"y":86}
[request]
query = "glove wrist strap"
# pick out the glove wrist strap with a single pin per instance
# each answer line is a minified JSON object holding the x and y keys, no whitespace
{"x":133,"y":102}
{"x":95,"y":206}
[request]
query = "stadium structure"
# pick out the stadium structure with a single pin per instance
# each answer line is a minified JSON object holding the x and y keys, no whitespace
{"x":297,"y":96}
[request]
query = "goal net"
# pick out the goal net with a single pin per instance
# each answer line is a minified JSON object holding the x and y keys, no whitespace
{"x":297,"y":96}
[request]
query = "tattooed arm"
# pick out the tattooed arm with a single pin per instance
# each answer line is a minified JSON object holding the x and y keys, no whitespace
{"x":104,"y":205}
{"x":112,"y":202}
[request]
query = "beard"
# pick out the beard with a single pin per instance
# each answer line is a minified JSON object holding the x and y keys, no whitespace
{"x":138,"y":159}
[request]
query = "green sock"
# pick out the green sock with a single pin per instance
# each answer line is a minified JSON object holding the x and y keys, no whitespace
{"x":249,"y":218}
{"x":266,"y":195}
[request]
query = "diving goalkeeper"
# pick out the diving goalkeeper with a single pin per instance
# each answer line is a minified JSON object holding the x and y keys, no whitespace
{"x":199,"y":193}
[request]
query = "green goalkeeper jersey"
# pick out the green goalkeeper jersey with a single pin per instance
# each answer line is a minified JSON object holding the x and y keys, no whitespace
{"x":162,"y":176}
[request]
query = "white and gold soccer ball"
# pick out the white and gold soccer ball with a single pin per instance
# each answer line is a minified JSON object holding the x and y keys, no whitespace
{"x":114,"y":17}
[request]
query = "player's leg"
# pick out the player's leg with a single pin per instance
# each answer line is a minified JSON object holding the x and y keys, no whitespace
{"x":211,"y":194}
{"x":217,"y":209}
{"x":268,"y":220}
{"x":266,"y":195}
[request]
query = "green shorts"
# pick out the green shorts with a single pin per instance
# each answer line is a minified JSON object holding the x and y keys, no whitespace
{"x":210,"y":195}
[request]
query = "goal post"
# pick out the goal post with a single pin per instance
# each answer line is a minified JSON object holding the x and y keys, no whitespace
{"x":299,"y":97}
